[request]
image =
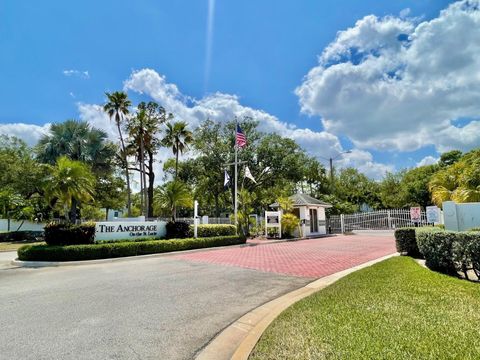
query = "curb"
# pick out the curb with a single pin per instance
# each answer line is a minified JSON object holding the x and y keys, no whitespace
{"x":237,"y":340}
{"x":40,"y":264}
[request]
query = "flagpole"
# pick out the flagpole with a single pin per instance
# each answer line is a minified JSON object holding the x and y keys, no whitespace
{"x":236,"y":168}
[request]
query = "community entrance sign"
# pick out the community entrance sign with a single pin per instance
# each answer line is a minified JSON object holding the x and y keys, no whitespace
{"x":433,"y":214}
{"x":273,"y":219}
{"x":129,"y":229}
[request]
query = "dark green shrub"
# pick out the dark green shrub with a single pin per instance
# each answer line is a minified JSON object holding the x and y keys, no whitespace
{"x":211,"y":230}
{"x":69,"y":234}
{"x":461,"y":252}
{"x":436,"y":247}
{"x":406,"y":241}
{"x":474,"y":250}
{"x":119,"y":249}
{"x":177,"y":230}
{"x":24,"y":235}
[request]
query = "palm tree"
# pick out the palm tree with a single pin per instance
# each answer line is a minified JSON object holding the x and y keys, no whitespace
{"x":78,"y":141}
{"x":177,"y":137}
{"x":172,"y":195}
{"x":69,"y":182}
{"x":117,"y":108}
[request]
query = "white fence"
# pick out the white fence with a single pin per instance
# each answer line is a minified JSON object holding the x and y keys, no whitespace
{"x":374,"y":220}
{"x":211,"y":220}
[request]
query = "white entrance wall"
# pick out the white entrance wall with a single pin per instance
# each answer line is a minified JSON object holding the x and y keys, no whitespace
{"x":461,"y":217}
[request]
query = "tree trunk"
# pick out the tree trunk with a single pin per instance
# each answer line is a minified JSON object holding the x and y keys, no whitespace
{"x":176,"y":165}
{"x":73,"y":211}
{"x":217,"y":210}
{"x":106,"y":213}
{"x":127,"y":175}
{"x":151,"y":181}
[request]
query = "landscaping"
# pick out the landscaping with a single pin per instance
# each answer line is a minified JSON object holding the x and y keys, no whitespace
{"x":120,"y":248}
{"x":395,"y":309}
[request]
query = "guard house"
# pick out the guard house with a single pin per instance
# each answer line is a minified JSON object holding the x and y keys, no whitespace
{"x":311,"y":213}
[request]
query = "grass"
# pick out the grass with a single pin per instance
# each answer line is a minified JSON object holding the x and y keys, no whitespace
{"x":14,"y":245}
{"x":395,"y":309}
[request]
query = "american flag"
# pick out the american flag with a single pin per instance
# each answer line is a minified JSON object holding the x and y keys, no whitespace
{"x":241,"y":139}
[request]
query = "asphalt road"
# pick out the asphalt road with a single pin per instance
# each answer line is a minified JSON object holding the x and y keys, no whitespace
{"x":151,"y":308}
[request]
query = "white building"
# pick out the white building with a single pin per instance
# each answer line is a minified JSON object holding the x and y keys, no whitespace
{"x":311,"y":213}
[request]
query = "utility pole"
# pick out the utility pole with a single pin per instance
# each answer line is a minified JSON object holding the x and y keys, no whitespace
{"x":331,"y":170}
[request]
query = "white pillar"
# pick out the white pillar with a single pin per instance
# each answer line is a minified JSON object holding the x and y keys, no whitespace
{"x":195,"y":218}
{"x":342,"y":222}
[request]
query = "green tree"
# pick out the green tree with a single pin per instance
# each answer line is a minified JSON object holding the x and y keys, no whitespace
{"x":144,"y":131}
{"x":178,"y":138}
{"x":117,"y":107}
{"x":172,"y":195}
{"x":110,"y":193}
{"x":69,"y":182}
{"x":449,"y":158}
{"x":357,"y":189}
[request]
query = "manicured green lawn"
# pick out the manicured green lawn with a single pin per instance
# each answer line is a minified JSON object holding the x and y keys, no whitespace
{"x":393,"y":310}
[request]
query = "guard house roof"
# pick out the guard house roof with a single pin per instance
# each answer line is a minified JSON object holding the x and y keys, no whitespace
{"x":304,"y":200}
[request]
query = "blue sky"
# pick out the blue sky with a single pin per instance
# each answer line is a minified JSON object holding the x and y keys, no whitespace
{"x":58,"y":54}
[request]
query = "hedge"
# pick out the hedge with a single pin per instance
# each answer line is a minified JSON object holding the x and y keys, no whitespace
{"x":209,"y":230}
{"x":69,"y":234}
{"x":177,"y":230}
{"x":22,"y":235}
{"x":406,"y":239}
{"x":119,"y":249}
{"x":436,"y":247}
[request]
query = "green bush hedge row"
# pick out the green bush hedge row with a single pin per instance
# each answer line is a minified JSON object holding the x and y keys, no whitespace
{"x":209,"y":230}
{"x":406,"y":239}
{"x":444,"y":251}
{"x":119,"y":249}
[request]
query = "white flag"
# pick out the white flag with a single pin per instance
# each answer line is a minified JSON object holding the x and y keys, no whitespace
{"x":227,"y":180}
{"x":249,"y":175}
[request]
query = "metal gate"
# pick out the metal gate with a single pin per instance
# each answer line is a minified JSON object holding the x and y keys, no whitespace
{"x":374,"y":220}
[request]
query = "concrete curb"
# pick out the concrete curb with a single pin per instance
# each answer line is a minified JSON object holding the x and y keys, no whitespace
{"x":40,"y":264}
{"x":237,"y":341}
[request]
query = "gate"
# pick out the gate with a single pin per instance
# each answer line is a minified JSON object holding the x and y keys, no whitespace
{"x":374,"y":220}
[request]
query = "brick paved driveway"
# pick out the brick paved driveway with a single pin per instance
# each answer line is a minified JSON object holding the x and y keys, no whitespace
{"x":306,"y":258}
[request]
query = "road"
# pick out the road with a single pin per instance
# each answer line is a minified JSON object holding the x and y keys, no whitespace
{"x":166,"y":307}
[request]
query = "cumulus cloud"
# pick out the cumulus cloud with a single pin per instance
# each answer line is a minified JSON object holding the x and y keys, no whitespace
{"x":363,"y":161}
{"x":427,"y":160}
{"x":78,"y":73}
{"x":394,"y":84}
{"x":29,"y":133}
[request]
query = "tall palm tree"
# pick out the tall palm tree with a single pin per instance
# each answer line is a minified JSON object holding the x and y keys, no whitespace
{"x":69,"y":181}
{"x":172,"y":195}
{"x":177,"y":137}
{"x":117,"y":107}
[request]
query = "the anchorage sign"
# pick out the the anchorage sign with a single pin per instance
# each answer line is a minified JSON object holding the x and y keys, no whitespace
{"x":131,"y":229}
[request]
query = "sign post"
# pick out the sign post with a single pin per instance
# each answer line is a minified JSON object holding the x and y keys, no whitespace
{"x":416,"y":214}
{"x":433,"y":214}
{"x":195,"y":219}
{"x":273,"y":219}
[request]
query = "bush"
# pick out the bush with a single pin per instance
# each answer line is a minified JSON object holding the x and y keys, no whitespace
{"x":211,"y":230}
{"x":474,"y":249}
{"x":24,"y":235}
{"x":289,"y":224}
{"x":177,"y":230}
{"x":436,"y":247}
{"x":69,"y":234}
{"x":406,"y":241}
{"x":119,"y":249}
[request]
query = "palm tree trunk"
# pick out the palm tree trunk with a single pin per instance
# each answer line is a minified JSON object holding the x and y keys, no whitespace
{"x":127,"y":175}
{"x":176,"y":165}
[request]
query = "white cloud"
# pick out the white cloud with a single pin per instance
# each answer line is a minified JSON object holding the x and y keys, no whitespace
{"x":427,"y":160}
{"x":404,"y":12}
{"x":390,"y":83}
{"x":78,"y":73}
{"x":222,"y":107}
{"x":29,"y":133}
{"x":363,"y":161}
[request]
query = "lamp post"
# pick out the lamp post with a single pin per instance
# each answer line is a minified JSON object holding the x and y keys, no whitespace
{"x":331,"y":159}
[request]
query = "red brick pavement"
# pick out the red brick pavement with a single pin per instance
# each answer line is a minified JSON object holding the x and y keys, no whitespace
{"x":306,"y":258}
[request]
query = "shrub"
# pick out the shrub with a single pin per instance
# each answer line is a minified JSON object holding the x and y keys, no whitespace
{"x":23,"y":235}
{"x":461,"y":252}
{"x":406,"y":241}
{"x":436,"y":247}
{"x":289,"y":223}
{"x":211,"y":230}
{"x":69,"y":234}
{"x":119,"y":249}
{"x":177,"y":230}
{"x":474,"y":249}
